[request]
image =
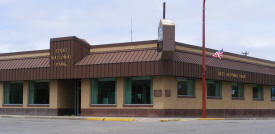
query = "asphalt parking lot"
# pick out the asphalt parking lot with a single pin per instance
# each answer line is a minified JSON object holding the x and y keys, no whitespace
{"x":55,"y":126}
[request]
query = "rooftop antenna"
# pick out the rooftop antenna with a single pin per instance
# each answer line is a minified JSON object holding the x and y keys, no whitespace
{"x":245,"y":53}
{"x":164,"y":6}
{"x":131,"y":30}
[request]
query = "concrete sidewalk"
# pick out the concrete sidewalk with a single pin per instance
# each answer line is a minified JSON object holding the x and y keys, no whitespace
{"x":125,"y":119}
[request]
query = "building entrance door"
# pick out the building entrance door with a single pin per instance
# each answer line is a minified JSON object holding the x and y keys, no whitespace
{"x":77,"y":97}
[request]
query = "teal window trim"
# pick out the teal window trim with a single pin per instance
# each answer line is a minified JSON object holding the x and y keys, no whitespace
{"x":94,"y":90}
{"x":141,"y":78}
{"x":31,"y":90}
{"x":272,"y":93}
{"x":240,"y":87}
{"x":218,"y":89}
{"x":30,"y":93}
{"x":107,"y":79}
{"x":16,"y":82}
{"x":94,"y":85}
{"x":182,"y":79}
{"x":128,"y":88}
{"x":6,"y":91}
{"x":42,"y":81}
{"x":192,"y":88}
{"x":127,"y":91}
{"x":260,"y":92}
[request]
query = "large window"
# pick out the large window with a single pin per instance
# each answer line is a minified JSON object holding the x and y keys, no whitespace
{"x":258,"y":92}
{"x":186,"y":87}
{"x":138,"y":90}
{"x":39,"y":92}
{"x":213,"y":88}
{"x":237,"y":90}
{"x":273,"y":93}
{"x":103,"y":91}
{"x":13,"y":93}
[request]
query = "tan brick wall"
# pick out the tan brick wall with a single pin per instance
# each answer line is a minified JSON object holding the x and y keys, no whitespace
{"x":120,"y":92}
{"x":53,"y":93}
{"x":65,"y":96}
{"x":58,"y":96}
{"x":174,"y":102}
{"x":248,"y":103}
{"x":25,"y":93}
{"x":85,"y":93}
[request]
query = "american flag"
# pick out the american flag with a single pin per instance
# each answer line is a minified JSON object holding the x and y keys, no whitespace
{"x":218,"y":54}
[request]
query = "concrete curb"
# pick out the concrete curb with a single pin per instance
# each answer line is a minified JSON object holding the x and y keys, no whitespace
{"x":124,"y":119}
{"x":95,"y":119}
{"x":120,"y":119}
{"x":43,"y":117}
{"x":169,"y":120}
{"x":111,"y":119}
{"x":211,"y":119}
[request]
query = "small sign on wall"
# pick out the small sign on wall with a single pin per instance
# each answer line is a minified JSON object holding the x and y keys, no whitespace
{"x":167,"y":93}
{"x":157,"y":93}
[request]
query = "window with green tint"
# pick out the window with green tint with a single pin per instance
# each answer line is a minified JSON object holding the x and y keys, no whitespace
{"x":213,"y":88}
{"x":237,"y":90}
{"x":13,"y":93}
{"x":258,"y":92}
{"x":186,"y":87}
{"x":103,"y":91}
{"x":138,"y":90}
{"x":39,"y":92}
{"x":273,"y":93}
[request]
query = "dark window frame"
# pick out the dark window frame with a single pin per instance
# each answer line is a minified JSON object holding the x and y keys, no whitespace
{"x":258,"y":87}
{"x":127,"y":87}
{"x":94,"y":102}
{"x":31,"y":94}
{"x":7,"y":86}
{"x":189,"y":87}
{"x":218,"y":84}
{"x":239,"y":86}
{"x":272,"y":93}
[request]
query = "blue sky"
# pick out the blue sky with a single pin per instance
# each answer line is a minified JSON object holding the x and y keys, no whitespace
{"x":234,"y":25}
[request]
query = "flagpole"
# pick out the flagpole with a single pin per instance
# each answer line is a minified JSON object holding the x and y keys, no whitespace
{"x":203,"y":63}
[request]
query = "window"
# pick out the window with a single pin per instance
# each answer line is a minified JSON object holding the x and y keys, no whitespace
{"x":39,"y":92}
{"x":237,"y":90}
{"x":258,"y":92}
{"x":273,"y":93}
{"x":213,"y":88}
{"x":13,"y":93}
{"x":186,"y":87}
{"x":138,"y":90}
{"x":103,"y":91}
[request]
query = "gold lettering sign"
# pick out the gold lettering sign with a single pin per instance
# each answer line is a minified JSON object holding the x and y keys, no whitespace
{"x":232,"y":75}
{"x":61,"y":64}
{"x":61,"y":57}
{"x":61,"y":50}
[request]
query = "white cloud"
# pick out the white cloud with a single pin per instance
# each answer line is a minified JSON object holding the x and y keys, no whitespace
{"x":232,"y":25}
{"x":4,"y":2}
{"x":258,"y":43}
